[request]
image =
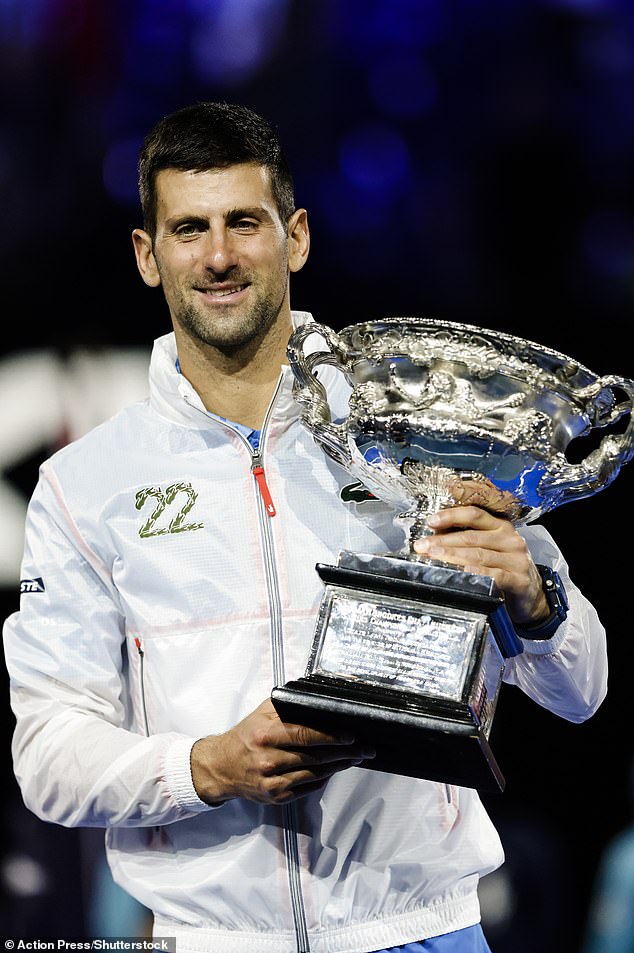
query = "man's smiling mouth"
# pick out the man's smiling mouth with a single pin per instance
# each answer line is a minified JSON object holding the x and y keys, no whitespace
{"x":224,"y":291}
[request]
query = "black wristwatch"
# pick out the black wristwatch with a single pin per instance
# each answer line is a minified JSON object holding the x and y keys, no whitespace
{"x":557,"y":601}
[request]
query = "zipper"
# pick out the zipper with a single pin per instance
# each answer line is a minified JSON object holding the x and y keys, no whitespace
{"x":258,"y":472}
{"x":266,"y":510}
{"x":291,"y":846}
{"x":270,"y":571}
{"x":139,"y":649}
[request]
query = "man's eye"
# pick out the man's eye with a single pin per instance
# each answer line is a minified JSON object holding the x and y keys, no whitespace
{"x":187,"y":230}
{"x":245,"y":225}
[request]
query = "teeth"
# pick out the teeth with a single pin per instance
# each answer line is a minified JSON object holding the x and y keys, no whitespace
{"x":224,"y":292}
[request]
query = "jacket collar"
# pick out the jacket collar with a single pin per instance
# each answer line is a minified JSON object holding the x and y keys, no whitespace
{"x":173,"y":397}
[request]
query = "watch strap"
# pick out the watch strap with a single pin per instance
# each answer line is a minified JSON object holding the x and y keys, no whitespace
{"x":557,"y":601}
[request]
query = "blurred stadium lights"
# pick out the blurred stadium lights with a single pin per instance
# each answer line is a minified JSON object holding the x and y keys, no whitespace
{"x":608,"y":244}
{"x":120,"y":170}
{"x":402,"y":86}
{"x":47,"y":402}
{"x":345,"y":208}
{"x":583,"y":6}
{"x":369,"y":27}
{"x":375,"y":158}
{"x":23,"y":21}
{"x":232,"y":39}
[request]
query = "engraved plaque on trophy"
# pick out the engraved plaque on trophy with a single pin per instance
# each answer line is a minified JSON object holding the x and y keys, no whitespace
{"x":408,"y":652}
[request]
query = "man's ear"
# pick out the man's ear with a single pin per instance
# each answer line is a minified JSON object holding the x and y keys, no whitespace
{"x":146,"y":263}
{"x":298,"y":239}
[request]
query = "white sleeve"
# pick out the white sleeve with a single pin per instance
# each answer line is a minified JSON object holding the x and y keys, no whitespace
{"x":567,"y":673}
{"x":74,"y":759}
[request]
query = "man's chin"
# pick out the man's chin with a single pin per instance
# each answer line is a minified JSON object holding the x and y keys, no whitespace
{"x":228,"y":329}
{"x":230,"y":340}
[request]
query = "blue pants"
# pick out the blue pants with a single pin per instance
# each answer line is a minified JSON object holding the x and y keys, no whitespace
{"x":469,"y":940}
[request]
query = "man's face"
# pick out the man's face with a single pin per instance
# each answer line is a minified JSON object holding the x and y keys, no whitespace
{"x":220,"y":253}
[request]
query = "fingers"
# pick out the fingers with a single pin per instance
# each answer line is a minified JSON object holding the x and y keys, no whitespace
{"x":479,"y":542}
{"x":474,"y":557}
{"x":283,"y":788}
{"x":288,"y":761}
{"x":483,"y":493}
{"x":277,"y":776}
{"x":291,"y":760}
{"x":302,"y":783}
{"x":472,"y":534}
{"x":264,"y":759}
{"x":471,"y":517}
{"x":284,"y":735}
{"x":274,"y":732}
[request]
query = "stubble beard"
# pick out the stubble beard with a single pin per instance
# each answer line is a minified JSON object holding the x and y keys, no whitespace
{"x":229,"y":329}
{"x":231,"y":332}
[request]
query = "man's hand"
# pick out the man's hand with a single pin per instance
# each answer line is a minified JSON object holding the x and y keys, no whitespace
{"x":264,"y":759}
{"x":480,"y":542}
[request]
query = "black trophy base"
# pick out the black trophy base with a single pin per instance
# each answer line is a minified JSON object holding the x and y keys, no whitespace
{"x":443,"y":745}
{"x":359,"y":672}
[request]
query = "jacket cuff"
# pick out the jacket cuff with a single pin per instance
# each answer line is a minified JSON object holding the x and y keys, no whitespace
{"x":178,"y":776}
{"x":544,"y":646}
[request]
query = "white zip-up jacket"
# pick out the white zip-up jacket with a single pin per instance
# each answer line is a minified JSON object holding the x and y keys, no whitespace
{"x":165,"y":604}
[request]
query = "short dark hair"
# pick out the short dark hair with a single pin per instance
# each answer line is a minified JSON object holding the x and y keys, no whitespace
{"x":208,"y":136}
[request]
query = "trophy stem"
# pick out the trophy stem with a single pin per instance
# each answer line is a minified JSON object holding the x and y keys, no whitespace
{"x":431,"y":488}
{"x":414,"y":525}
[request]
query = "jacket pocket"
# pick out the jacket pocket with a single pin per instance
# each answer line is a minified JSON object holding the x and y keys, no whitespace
{"x":141,"y":686}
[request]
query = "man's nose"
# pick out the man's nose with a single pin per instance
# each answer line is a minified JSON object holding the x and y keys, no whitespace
{"x":220,"y":252}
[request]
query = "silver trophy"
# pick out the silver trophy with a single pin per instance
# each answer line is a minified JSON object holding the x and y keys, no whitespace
{"x":409,"y":652}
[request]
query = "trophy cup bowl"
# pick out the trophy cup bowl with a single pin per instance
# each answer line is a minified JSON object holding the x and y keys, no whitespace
{"x":409,"y":652}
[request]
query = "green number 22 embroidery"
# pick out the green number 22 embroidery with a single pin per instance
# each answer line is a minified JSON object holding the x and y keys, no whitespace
{"x":165,"y":498}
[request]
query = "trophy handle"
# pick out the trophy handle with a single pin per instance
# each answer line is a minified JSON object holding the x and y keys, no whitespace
{"x":602,"y":465}
{"x":310,"y":392}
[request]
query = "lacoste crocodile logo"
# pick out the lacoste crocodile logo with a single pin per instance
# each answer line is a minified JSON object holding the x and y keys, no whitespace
{"x":357,"y":493}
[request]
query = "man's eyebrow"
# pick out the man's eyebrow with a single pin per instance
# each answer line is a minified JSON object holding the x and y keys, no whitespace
{"x":231,"y":215}
{"x":248,"y":211}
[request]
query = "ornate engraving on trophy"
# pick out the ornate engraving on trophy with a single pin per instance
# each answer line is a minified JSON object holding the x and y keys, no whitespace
{"x":395,"y":643}
{"x":429,"y":394}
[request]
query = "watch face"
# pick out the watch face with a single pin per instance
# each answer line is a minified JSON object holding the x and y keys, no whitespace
{"x":555,"y":592}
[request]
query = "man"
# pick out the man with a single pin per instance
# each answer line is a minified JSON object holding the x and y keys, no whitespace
{"x":176,"y":547}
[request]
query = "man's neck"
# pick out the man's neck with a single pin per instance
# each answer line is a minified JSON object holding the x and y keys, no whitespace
{"x":239,"y":384}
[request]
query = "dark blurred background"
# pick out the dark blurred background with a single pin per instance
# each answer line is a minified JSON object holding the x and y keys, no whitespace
{"x":471,"y":160}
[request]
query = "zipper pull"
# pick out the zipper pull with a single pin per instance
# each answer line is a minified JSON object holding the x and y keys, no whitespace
{"x":137,"y":642}
{"x":258,"y":472}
